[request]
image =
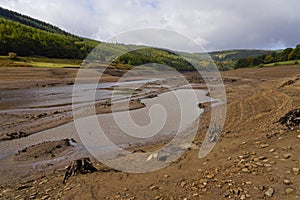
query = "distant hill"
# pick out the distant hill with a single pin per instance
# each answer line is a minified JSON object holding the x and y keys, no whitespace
{"x":235,"y":55}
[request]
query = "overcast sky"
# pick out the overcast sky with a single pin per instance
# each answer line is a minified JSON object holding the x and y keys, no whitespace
{"x":215,"y":24}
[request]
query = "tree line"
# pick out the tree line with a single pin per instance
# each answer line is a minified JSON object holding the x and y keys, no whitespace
{"x":279,"y":56}
{"x":163,"y":58}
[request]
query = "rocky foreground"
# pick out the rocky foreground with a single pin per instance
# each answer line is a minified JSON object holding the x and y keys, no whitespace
{"x":257,"y":157}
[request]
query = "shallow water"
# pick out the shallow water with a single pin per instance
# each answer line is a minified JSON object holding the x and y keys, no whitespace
{"x":55,"y":96}
{"x":170,"y":112}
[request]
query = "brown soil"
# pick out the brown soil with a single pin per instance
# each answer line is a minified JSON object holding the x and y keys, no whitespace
{"x":254,"y":159}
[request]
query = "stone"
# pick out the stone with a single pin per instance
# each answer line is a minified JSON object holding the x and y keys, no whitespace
{"x":287,"y":156}
{"x":246,"y":170}
{"x":210,"y":176}
{"x":262,"y":158}
{"x":264,"y":145}
{"x":296,"y":170}
{"x":226,"y":194}
{"x":272,"y":150}
{"x":243,"y":197}
{"x":248,"y":183}
{"x":44,"y":197}
{"x":269,"y":192}
{"x":183,"y":184}
{"x":289,"y":190}
{"x":195,"y":194}
{"x":152,"y":187}
{"x":287,"y":182}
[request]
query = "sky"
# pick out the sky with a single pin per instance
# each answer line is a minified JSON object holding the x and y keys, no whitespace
{"x":213,"y":24}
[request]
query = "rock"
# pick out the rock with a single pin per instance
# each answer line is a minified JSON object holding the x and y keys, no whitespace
{"x":243,"y":197}
{"x":264,"y":145}
{"x":45,"y":197}
{"x":152,"y":187}
{"x":210,"y":176}
{"x":68,"y":188}
{"x":298,"y":136}
{"x":269,"y":192}
{"x":249,"y":183}
{"x":296,"y":170}
{"x":289,"y":190}
{"x":183,"y":184}
{"x":287,"y":156}
{"x":262,"y":158}
{"x":287,"y":182}
{"x":246,"y":170}
{"x":226,"y":194}
{"x":272,"y":150}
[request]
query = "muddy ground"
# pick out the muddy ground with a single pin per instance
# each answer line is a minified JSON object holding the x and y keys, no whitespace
{"x":255,"y":157}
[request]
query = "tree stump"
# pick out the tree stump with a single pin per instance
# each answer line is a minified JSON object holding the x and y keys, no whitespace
{"x":82,"y":166}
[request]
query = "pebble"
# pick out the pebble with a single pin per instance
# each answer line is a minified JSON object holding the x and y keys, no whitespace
{"x":264,"y":145}
{"x":269,"y":192}
{"x":44,"y":197}
{"x":287,"y":182}
{"x":289,"y":190}
{"x":296,"y":170}
{"x":298,"y":136}
{"x":226,"y":194}
{"x":287,"y":156}
{"x":262,"y":158}
{"x":183,"y":184}
{"x":245,"y":170}
{"x":249,"y":183}
{"x":243,"y":197}
{"x":272,"y":150}
{"x":68,"y":188}
{"x":152,"y":187}
{"x":195,"y":195}
{"x":210,"y":176}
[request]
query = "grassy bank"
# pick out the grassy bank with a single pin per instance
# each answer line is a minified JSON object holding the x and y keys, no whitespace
{"x":41,"y":62}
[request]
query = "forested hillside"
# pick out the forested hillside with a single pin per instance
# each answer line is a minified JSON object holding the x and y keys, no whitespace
{"x":23,"y":19}
{"x":287,"y":54}
{"x":27,"y":41}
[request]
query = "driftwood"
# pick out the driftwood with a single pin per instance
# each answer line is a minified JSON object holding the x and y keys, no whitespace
{"x":82,"y":166}
{"x":291,"y":119}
